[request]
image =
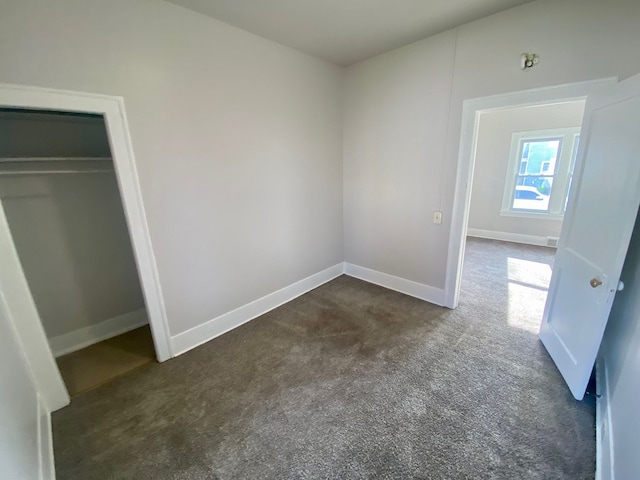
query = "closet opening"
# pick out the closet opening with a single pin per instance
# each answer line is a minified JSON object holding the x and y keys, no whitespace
{"x":65,"y":213}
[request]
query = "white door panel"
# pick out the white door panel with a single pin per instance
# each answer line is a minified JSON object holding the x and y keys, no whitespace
{"x":602,"y":209}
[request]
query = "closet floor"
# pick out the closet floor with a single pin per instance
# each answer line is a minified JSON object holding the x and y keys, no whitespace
{"x":103,"y":361}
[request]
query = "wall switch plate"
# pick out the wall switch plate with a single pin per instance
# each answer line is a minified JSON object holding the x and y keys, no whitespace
{"x":437,"y":218}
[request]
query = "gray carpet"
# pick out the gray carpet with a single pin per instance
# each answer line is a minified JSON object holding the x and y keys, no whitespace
{"x":351,"y":381}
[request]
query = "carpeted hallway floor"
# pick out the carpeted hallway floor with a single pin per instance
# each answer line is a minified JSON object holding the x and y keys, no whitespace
{"x":351,"y":381}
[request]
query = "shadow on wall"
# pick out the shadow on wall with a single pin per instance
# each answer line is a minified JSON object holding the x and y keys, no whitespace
{"x":74,"y":246}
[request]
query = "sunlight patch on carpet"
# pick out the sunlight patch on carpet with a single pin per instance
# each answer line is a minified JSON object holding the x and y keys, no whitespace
{"x":527,"y":292}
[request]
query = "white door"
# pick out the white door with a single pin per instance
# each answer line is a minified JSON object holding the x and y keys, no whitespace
{"x":602,"y":210}
{"x":22,"y":313}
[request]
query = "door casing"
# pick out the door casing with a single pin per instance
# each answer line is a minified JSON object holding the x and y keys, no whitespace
{"x":471,"y":110}
{"x":13,"y":285}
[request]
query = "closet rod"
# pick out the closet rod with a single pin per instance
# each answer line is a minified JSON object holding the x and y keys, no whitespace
{"x":53,"y":159}
{"x":51,"y":172}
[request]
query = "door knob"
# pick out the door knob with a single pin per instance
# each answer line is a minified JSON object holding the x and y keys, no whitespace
{"x":595,"y":283}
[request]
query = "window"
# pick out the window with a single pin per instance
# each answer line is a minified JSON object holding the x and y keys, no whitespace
{"x":539,"y":173}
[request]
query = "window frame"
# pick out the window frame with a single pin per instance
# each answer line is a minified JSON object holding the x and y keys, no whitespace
{"x":569,"y":138}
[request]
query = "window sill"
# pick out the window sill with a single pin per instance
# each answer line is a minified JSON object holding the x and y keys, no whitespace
{"x":528,"y":214}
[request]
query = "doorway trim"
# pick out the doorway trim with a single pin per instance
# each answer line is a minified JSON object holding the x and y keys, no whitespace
{"x":471,"y":111}
{"x":13,"y":285}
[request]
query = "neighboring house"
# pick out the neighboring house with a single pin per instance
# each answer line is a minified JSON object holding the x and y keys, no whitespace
{"x":261,"y":166}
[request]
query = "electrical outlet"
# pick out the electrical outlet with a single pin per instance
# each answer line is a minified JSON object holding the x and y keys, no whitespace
{"x":437,"y":218}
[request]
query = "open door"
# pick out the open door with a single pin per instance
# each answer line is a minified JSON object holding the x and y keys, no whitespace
{"x":598,"y":223}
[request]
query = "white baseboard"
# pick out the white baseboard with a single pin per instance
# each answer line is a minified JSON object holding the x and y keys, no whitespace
{"x":604,"y":427}
{"x":511,"y":237}
{"x":408,"y":287}
{"x":196,"y":336}
{"x":83,"y":337}
{"x":45,"y":443}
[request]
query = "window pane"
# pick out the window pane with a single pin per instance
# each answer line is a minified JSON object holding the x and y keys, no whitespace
{"x":523,"y":167}
{"x":535,"y":175}
{"x":532,"y":193}
{"x":540,"y":156}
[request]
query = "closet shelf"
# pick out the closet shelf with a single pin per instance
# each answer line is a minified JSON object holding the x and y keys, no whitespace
{"x":54,"y":165}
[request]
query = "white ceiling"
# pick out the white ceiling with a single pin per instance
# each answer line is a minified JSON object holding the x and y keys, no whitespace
{"x":346,"y":31}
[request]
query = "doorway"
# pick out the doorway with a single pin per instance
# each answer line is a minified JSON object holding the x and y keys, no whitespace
{"x":523,"y":168}
{"x":508,"y":204}
{"x":14,"y":288}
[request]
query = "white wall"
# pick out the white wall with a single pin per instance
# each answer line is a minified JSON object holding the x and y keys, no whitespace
{"x":238,"y":140}
{"x":394,"y":143}
{"x":492,"y":158}
{"x":19,"y":451}
{"x":69,"y":229}
{"x":403,"y":116}
{"x":619,"y":355}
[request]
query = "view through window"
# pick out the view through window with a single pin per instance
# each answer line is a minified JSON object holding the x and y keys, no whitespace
{"x":540,"y":172}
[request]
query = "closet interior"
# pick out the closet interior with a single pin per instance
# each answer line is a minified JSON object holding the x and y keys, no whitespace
{"x":59,"y":193}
